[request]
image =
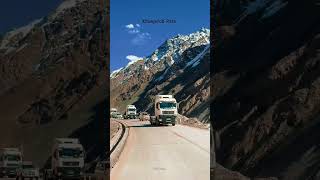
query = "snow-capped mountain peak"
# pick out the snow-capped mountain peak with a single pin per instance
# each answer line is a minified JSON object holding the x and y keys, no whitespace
{"x":66,"y":4}
{"x":115,"y":72}
{"x":172,"y":49}
{"x":23,"y":31}
{"x":175,"y":46}
{"x":6,"y":42}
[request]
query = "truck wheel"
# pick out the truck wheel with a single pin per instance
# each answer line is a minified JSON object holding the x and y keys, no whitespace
{"x":156,"y":121}
{"x":173,"y":124}
{"x":19,"y":177}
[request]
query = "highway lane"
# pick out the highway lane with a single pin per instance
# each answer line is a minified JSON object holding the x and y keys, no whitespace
{"x":165,"y":152}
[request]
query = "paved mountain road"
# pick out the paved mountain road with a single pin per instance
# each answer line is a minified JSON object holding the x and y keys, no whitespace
{"x":165,"y":152}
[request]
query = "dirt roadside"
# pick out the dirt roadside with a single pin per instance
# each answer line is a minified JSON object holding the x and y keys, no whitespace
{"x":192,"y":122}
{"x":114,"y":127}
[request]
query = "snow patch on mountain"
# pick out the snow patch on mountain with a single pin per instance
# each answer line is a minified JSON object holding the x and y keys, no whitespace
{"x":115,"y":72}
{"x":194,"y":62}
{"x":255,"y":6}
{"x":67,"y":4}
{"x":9,"y":50}
{"x":163,"y":75}
{"x":250,"y":8}
{"x":23,"y":31}
{"x":274,"y":8}
{"x":267,"y":7}
{"x":22,"y":47}
{"x":175,"y":46}
{"x":132,"y":59}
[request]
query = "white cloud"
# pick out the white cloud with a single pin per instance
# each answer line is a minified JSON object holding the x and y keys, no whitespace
{"x":141,"y":38}
{"x":130,"y":26}
{"x":134,"y":31}
{"x":133,"y":58}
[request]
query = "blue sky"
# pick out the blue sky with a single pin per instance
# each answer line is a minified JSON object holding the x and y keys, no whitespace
{"x":129,"y":40}
{"x":17,"y":13}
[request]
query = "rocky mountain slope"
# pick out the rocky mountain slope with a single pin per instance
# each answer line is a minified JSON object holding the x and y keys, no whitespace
{"x":180,"y":66}
{"x":52,"y":80}
{"x":266,"y":87}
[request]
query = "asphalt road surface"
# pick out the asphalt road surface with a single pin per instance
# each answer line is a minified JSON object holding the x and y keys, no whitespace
{"x":13,"y":178}
{"x":165,"y":152}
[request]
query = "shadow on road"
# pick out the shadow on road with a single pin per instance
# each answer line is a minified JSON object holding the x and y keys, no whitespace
{"x":142,"y":126}
{"x":148,"y":125}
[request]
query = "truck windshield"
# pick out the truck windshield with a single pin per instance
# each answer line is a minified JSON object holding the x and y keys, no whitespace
{"x":69,"y":152}
{"x":13,"y":157}
{"x":131,"y":109}
{"x":167,"y":105}
{"x":27,"y":166}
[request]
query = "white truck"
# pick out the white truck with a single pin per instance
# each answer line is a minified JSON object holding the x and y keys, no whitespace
{"x":165,"y":109}
{"x":28,"y":170}
{"x":131,"y":112}
{"x":10,"y":162}
{"x":67,"y":159}
{"x":112,"y":111}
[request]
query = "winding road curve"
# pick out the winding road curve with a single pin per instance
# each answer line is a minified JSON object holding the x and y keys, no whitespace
{"x":165,"y":152}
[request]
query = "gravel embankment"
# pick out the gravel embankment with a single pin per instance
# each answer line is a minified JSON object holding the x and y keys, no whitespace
{"x":114,"y":127}
{"x":193,"y":122}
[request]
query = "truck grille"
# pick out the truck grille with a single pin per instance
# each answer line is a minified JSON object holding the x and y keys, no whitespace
{"x":30,"y":174}
{"x":70,"y":171}
{"x":168,"y":112}
{"x":70,"y":163}
{"x":12,"y":165}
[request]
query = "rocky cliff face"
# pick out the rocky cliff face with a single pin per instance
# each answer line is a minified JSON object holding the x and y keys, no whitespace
{"x":49,"y":71}
{"x":180,"y":66}
{"x":266,"y":87}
